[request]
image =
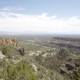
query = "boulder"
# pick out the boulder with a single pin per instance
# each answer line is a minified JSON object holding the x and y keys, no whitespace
{"x":1,"y":55}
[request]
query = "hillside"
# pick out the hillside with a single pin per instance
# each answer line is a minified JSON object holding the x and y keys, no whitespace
{"x":39,"y":58}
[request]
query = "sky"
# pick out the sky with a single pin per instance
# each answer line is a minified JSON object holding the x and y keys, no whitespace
{"x":40,"y":16}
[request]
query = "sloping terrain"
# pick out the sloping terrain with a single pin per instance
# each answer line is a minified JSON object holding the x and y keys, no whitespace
{"x":40,"y":59}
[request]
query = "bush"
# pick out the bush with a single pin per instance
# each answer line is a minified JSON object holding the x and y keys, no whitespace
{"x":20,"y":71}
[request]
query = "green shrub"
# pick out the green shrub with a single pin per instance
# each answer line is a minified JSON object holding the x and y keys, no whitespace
{"x":20,"y":71}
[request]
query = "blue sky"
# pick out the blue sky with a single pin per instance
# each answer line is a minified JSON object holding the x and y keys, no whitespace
{"x":58,"y":7}
{"x":40,"y":16}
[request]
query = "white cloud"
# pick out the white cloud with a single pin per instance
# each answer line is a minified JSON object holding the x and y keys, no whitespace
{"x":24,"y":23}
{"x":11,"y":9}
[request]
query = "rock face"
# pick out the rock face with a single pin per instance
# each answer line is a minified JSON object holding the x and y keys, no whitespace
{"x":1,"y":55}
{"x":21,"y":51}
{"x":8,"y":42}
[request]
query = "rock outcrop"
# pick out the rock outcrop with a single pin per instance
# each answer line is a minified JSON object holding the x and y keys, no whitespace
{"x":8,"y":42}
